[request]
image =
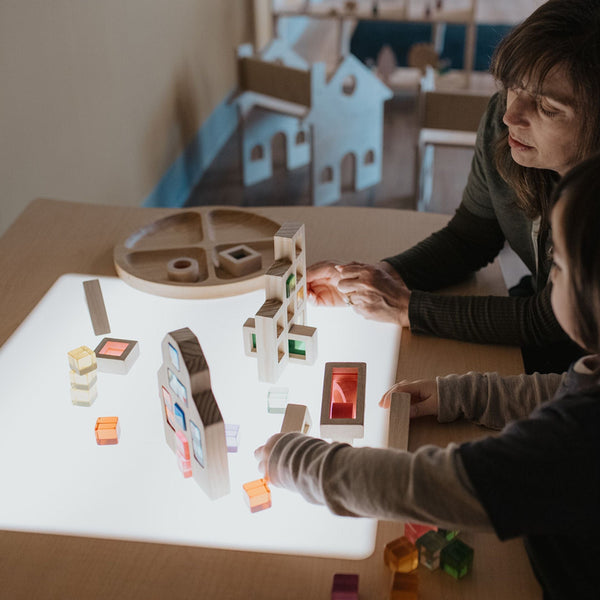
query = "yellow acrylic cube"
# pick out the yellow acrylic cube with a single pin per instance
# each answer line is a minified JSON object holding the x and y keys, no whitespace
{"x":81,"y":397}
{"x":82,"y":360}
{"x":401,"y":555}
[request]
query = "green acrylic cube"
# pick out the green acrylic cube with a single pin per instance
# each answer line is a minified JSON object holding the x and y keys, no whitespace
{"x":277,"y":400}
{"x":449,"y":534}
{"x":430,"y":546}
{"x":457,"y":559}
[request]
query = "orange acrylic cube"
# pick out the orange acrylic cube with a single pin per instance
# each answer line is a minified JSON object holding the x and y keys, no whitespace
{"x":401,"y":556}
{"x":405,"y":587}
{"x":108,"y":431}
{"x":257,"y":495}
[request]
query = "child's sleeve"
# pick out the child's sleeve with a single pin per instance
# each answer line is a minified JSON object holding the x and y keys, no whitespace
{"x":491,"y":400}
{"x":429,"y":485}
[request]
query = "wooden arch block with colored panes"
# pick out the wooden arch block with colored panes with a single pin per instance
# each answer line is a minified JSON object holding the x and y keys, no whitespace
{"x":343,"y":403}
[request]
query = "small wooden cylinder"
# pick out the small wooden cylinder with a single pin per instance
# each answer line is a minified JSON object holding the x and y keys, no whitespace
{"x":183,"y":269}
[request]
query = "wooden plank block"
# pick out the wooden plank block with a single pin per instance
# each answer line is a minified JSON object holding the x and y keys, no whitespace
{"x":399,"y":420}
{"x":96,"y":306}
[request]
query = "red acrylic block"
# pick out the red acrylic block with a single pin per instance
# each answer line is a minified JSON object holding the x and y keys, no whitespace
{"x":413,"y":531}
{"x":342,"y":410}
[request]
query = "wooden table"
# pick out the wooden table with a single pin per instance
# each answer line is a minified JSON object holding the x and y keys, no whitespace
{"x":51,"y":238}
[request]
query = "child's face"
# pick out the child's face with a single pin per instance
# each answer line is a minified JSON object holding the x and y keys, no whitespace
{"x":562,"y":303}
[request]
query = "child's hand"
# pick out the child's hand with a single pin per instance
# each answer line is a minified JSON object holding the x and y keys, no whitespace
{"x":262,"y":454}
{"x":423,"y":396}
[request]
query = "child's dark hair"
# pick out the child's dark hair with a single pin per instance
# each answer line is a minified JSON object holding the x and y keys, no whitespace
{"x":580,"y":189}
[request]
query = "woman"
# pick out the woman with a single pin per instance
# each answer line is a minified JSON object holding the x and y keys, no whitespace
{"x":543,"y":121}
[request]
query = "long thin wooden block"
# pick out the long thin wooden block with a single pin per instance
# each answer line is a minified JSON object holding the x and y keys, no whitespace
{"x":296,"y":418}
{"x":399,"y":420}
{"x":96,"y":306}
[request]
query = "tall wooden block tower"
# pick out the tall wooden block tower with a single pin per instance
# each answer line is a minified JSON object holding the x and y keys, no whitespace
{"x":277,"y":333}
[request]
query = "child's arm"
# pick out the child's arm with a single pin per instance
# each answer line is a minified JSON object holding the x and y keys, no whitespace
{"x":491,"y":400}
{"x":485,"y":398}
{"x":430,"y":485}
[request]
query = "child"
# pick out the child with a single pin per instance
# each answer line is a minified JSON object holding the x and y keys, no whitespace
{"x":539,"y":478}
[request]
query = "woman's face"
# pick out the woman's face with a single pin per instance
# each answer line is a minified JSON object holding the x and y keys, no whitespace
{"x":544,"y":128}
{"x":562,"y":304}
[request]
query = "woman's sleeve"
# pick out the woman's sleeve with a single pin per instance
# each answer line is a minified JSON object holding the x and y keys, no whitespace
{"x":519,"y":321}
{"x":429,"y":486}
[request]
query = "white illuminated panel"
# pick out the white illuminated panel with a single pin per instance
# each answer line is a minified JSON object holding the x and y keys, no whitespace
{"x":56,"y":479}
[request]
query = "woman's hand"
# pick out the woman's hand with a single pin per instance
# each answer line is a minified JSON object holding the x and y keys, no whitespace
{"x":375,"y":291}
{"x":321,"y":284}
{"x":262,"y":454}
{"x":423,"y":396}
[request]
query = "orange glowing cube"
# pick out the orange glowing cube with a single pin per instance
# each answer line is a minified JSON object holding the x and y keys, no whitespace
{"x":257,"y":495}
{"x":107,"y":430}
{"x":405,"y":587}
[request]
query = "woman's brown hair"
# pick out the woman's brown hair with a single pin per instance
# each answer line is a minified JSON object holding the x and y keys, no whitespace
{"x":580,"y":228}
{"x":560,"y":32}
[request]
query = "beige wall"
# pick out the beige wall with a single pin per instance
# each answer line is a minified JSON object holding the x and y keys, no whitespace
{"x":99,"y":97}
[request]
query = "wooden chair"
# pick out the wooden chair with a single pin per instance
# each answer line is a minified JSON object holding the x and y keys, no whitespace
{"x":447,"y":118}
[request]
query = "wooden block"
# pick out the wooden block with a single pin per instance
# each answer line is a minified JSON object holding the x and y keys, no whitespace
{"x":240,"y":260}
{"x":192,"y":421}
{"x":304,"y":338}
{"x":96,"y":306}
{"x":296,"y":418}
{"x":399,"y":420}
{"x":343,"y":383}
{"x":183,"y":269}
{"x":116,"y":355}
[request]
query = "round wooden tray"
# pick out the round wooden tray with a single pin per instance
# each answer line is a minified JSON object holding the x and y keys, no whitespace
{"x":199,"y":235}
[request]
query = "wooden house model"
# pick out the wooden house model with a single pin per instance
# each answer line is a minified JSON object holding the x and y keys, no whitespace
{"x":330,"y":120}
